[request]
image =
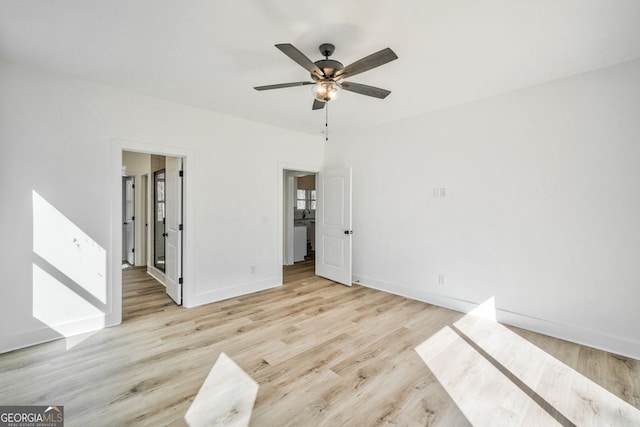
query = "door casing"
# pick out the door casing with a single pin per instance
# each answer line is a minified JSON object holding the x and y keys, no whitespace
{"x":114,"y":291}
{"x":283,"y":169}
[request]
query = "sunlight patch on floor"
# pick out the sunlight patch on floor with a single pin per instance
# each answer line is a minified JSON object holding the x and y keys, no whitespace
{"x":225,"y":399}
{"x":497,"y":377}
{"x":580,"y":400}
{"x":483,"y":394}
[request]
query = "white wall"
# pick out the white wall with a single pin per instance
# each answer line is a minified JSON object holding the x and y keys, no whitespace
{"x":541,"y":211}
{"x":63,"y":139}
{"x":542,"y":207}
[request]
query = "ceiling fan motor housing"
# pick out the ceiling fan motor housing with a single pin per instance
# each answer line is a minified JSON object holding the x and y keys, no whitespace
{"x":326,"y":49}
{"x":328,"y":67}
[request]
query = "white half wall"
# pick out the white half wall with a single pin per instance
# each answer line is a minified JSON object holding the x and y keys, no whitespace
{"x":541,"y":207}
{"x":60,"y":144}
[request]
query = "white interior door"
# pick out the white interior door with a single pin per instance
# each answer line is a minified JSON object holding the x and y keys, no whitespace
{"x":128,"y":227}
{"x":289,"y":209}
{"x":333,"y":226}
{"x":173,"y":224}
{"x":144,"y":223}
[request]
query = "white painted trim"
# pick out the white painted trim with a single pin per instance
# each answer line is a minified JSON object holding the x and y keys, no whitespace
{"x":234,"y":291}
{"x":27,"y":339}
{"x":188,"y":286}
{"x":609,"y":343}
{"x":46,"y":334}
{"x":462,"y":306}
{"x":156,"y":274}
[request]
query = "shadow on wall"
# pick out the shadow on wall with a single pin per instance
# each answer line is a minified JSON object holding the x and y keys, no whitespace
{"x":69,"y":274}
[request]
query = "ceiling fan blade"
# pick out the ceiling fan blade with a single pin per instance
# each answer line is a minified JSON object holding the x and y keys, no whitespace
{"x":376,"y":92}
{"x":299,"y":57}
{"x":282,"y":85}
{"x":368,"y":62}
{"x":318,"y":105}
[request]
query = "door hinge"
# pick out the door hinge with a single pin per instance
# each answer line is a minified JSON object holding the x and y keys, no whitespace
{"x":133,"y":249}
{"x":180,"y":281}
{"x":181,"y":173}
{"x":133,"y":186}
{"x":133,"y":218}
{"x":180,"y":227}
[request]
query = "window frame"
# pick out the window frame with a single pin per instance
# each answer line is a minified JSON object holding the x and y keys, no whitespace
{"x":309,"y":200}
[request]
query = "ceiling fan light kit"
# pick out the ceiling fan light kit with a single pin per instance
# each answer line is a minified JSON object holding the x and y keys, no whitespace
{"x":326,"y":90}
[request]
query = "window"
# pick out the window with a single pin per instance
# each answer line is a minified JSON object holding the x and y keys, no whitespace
{"x":312,"y":199}
{"x":306,"y":199}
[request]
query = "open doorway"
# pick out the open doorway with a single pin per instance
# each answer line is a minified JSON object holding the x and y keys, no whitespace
{"x":299,"y":205}
{"x":161,"y":211}
{"x":330,"y":221}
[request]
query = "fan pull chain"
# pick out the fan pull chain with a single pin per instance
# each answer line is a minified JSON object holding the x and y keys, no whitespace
{"x":326,"y":122}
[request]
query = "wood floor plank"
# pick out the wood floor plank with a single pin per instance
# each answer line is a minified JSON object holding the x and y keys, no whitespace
{"x":321,"y":353}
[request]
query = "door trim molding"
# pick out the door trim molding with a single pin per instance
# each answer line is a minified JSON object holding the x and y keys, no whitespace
{"x":114,"y":257}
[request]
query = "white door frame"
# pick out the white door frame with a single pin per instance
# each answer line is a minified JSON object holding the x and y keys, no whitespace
{"x":115,"y":256}
{"x":289,"y":200}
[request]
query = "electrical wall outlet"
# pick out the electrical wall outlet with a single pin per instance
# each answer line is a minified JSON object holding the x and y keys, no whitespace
{"x":441,"y":279}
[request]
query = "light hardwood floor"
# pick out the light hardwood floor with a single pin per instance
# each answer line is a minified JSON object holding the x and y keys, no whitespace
{"x":322,"y":354}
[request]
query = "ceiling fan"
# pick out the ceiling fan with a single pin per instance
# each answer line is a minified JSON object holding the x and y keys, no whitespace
{"x":328,"y":75}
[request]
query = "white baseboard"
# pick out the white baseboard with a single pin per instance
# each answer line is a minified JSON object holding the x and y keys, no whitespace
{"x":156,"y":274}
{"x":45,"y":334}
{"x":231,"y":292}
{"x":611,"y":344}
{"x":27,"y":339}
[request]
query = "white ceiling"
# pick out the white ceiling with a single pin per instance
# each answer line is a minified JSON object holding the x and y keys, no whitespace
{"x":210,"y":53}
